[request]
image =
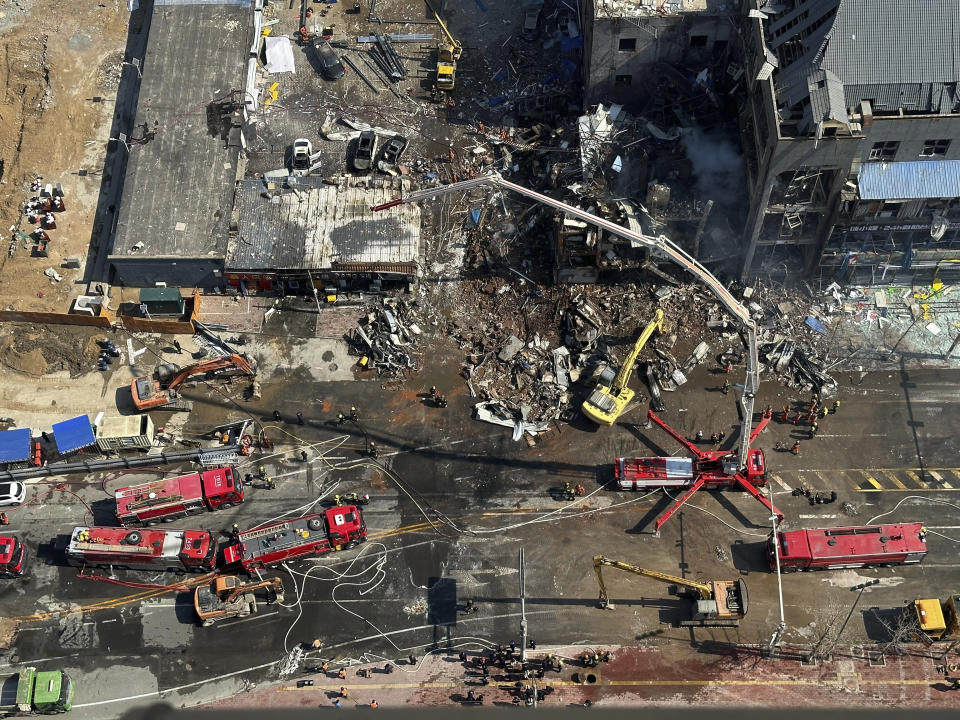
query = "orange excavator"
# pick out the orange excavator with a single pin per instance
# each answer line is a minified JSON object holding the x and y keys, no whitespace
{"x":228,"y":597}
{"x":160,"y":391}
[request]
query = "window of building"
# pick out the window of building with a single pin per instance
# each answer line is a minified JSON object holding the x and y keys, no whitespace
{"x":623,"y":79}
{"x":627,"y":44}
{"x":934,"y":148}
{"x":698,"y":41}
{"x":884,"y":151}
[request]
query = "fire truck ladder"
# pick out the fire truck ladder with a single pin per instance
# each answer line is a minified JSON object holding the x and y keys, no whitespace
{"x":150,"y":501}
{"x":736,"y":479}
{"x":263,"y":532}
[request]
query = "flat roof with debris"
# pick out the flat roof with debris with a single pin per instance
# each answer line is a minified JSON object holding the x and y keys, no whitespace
{"x":318,"y":225}
{"x":180,"y":174}
{"x":659,"y":8}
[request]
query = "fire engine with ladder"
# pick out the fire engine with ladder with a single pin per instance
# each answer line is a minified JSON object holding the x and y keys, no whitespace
{"x":707,"y":468}
{"x":337,"y":528}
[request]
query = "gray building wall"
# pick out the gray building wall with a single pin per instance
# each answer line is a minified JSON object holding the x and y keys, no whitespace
{"x":630,"y":47}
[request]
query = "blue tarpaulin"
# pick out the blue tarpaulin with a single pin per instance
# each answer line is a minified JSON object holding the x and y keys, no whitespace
{"x":15,"y":445}
{"x":569,"y":44}
{"x":815,"y":324}
{"x":73,"y":434}
{"x":475,"y":216}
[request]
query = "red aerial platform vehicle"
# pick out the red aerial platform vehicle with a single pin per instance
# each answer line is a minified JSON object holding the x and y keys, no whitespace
{"x":710,"y":468}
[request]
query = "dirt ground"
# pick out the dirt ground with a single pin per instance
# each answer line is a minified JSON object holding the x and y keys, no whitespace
{"x":54,"y":64}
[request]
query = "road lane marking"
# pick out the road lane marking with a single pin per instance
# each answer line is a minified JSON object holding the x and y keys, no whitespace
{"x":248,"y":619}
{"x":875,"y":484}
{"x":939,"y":478}
{"x":916,"y":478}
{"x":781,"y":483}
{"x":895,"y":480}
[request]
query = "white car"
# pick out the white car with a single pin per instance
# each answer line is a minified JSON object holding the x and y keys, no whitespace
{"x":12,"y":493}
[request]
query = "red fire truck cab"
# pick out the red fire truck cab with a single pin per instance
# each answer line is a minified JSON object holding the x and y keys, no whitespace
{"x":13,"y":556}
{"x":173,"y":498}
{"x":848,"y":547}
{"x":337,"y":528}
{"x":173,"y":550}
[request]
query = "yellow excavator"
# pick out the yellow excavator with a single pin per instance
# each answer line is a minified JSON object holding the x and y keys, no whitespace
{"x":718,"y":603}
{"x":449,"y":51}
{"x":937,"y":620}
{"x":606,"y":404}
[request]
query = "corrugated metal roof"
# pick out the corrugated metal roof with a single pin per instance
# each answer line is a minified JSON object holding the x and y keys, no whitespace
{"x":322,"y":224}
{"x":909,"y":180}
{"x":73,"y":434}
{"x":895,"y":41}
{"x":900,"y":53}
{"x":15,"y":445}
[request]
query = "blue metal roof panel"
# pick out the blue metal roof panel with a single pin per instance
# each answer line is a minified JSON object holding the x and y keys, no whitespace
{"x":15,"y":445}
{"x":909,"y":180}
{"x":73,"y":434}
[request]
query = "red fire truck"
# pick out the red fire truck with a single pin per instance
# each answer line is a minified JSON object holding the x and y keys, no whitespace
{"x":173,"y":498}
{"x":13,"y":556}
{"x":848,"y":547}
{"x":336,"y":528}
{"x":173,"y":550}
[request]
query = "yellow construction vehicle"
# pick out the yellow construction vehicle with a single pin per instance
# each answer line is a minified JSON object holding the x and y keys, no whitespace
{"x":227,"y":597}
{"x":605,"y":404}
{"x":449,"y":51}
{"x":718,"y":603}
{"x":937,"y":620}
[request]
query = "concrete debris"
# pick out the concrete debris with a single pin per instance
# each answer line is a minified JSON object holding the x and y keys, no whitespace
{"x":497,"y":413}
{"x":386,"y":337}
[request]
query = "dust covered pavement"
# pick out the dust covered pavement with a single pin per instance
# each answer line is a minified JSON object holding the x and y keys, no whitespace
{"x":716,"y":675}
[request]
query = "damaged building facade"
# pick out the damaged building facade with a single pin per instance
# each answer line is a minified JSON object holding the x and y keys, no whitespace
{"x":631,"y":47}
{"x":851,"y":132}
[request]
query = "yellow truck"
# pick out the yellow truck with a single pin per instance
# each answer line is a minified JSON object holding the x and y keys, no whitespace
{"x":938,"y":620}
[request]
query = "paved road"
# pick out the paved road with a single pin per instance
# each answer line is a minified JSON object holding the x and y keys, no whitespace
{"x":454,"y":500}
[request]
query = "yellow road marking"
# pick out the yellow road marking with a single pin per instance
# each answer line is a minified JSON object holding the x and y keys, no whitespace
{"x":875,"y":484}
{"x":916,"y":478}
{"x":895,"y":480}
{"x":939,"y":478}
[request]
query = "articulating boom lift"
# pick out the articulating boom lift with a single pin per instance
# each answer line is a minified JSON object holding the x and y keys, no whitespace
{"x":710,"y":468}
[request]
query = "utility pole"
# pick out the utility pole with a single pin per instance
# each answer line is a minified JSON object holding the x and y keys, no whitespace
{"x":953,"y":346}
{"x":523,"y":613}
{"x":314,"y":288}
{"x":773,"y":649}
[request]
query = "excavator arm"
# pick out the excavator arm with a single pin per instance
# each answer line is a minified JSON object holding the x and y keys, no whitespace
{"x":239,"y":362}
{"x":456,"y":48}
{"x":275,"y":584}
{"x":705,"y":591}
{"x":626,"y":369}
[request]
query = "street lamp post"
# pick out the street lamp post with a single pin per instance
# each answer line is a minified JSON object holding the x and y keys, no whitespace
{"x":774,"y":646}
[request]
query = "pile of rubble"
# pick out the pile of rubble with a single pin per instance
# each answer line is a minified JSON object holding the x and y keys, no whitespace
{"x":386,"y":338}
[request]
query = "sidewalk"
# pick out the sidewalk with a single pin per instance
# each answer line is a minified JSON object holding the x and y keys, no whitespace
{"x":716,"y":675}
